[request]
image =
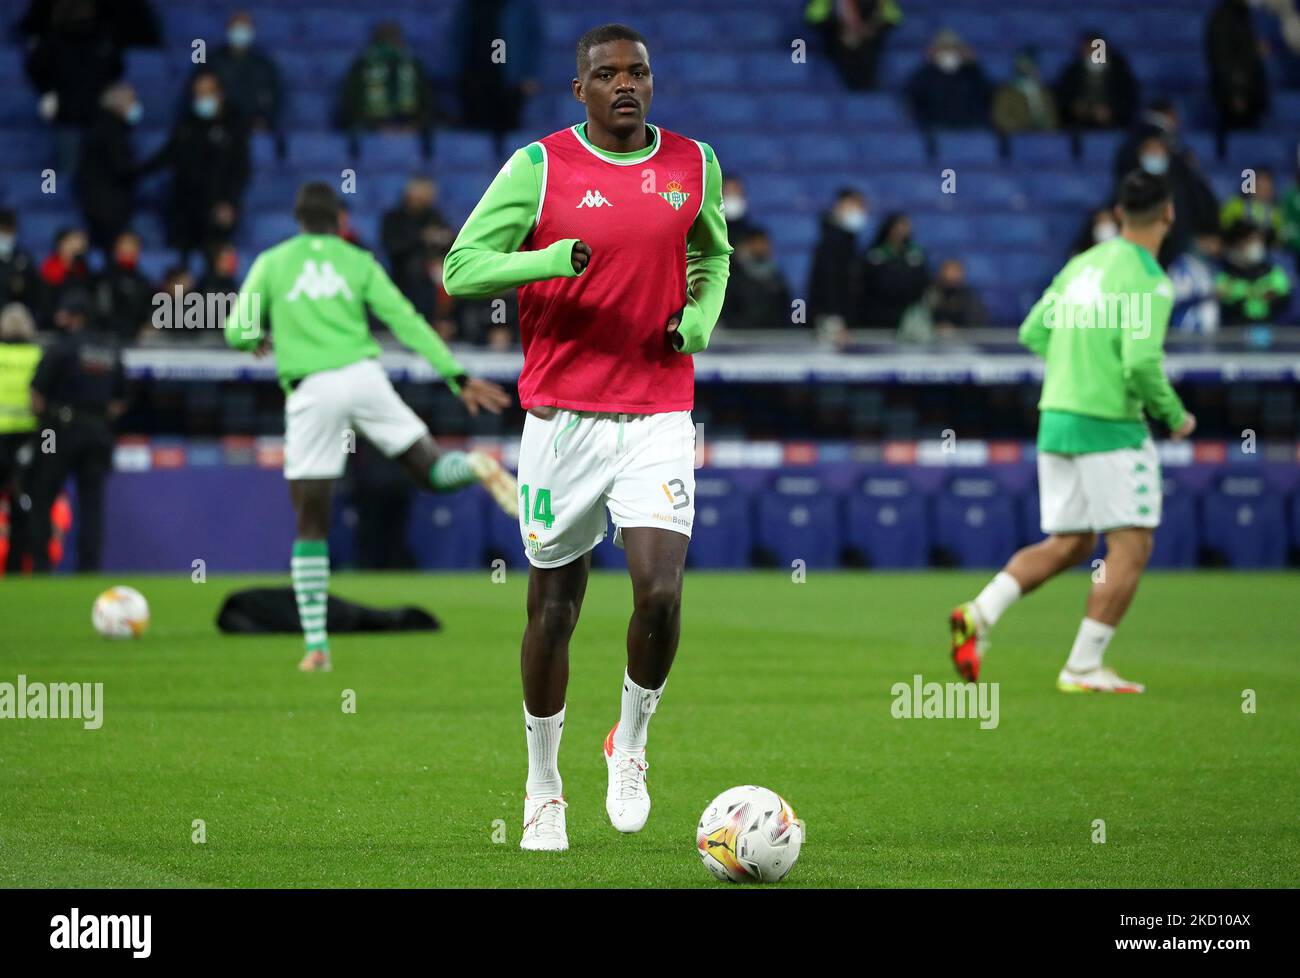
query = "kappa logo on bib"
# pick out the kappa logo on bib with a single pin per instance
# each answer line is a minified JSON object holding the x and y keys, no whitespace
{"x":318,"y":282}
{"x":594,"y":198}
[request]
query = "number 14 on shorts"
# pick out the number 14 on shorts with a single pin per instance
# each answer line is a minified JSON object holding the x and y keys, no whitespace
{"x":540,"y":508}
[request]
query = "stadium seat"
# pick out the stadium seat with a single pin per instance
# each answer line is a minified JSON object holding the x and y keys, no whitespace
{"x":797,"y":520}
{"x":503,"y":538}
{"x":1042,"y":149}
{"x":343,"y":549}
{"x":966,"y":148}
{"x":723,"y":535}
{"x":1177,"y":539}
{"x":975,"y":522}
{"x":1245,"y":523}
{"x":886,"y":522}
{"x":448,"y":531}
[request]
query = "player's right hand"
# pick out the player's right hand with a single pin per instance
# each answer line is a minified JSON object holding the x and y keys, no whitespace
{"x":1185,"y":429}
{"x":581,"y":255}
{"x":477,"y":394}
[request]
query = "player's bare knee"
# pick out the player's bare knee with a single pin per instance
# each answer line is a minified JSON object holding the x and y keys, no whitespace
{"x":658,"y":601}
{"x":1129,"y":549}
{"x":553,"y":619}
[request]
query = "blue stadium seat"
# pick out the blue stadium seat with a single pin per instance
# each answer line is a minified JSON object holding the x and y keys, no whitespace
{"x":874,"y":111}
{"x":1042,"y":149}
{"x":319,"y":149}
{"x":887,"y":523}
{"x":503,"y":538}
{"x":798,"y":520}
{"x":343,"y":549}
{"x":723,"y":535}
{"x":1177,"y":540}
{"x":966,"y":148}
{"x":975,"y":522}
{"x":447,"y":532}
{"x":1245,"y":523}
{"x":461,"y":150}
{"x":1256,"y":149}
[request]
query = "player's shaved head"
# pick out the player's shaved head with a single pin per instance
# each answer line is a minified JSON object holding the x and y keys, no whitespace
{"x":603,"y":35}
{"x":1143,"y":198}
{"x":317,"y":208}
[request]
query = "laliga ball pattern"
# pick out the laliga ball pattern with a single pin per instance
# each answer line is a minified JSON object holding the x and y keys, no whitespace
{"x":120,"y":612}
{"x":749,"y":834}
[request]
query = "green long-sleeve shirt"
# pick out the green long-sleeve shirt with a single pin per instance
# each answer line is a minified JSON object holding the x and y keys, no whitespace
{"x":1100,"y":327}
{"x":485,"y":259}
{"x":311,"y":292}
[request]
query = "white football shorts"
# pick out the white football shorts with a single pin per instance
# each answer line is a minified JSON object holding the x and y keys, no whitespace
{"x":574,"y":465}
{"x":1099,"y":491}
{"x":325,"y":411}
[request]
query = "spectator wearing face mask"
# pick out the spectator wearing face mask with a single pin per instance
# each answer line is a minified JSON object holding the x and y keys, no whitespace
{"x":854,"y":31}
{"x":948,"y":306}
{"x":1160,"y":119}
{"x":106,"y":175}
{"x":122,"y":297}
{"x":1025,"y":103}
{"x":735,"y":208}
{"x":1097,"y":90}
{"x":1196,"y":211}
{"x":248,"y":75}
{"x":895,"y":274}
{"x":63,"y":269}
{"x":1100,"y":226}
{"x":221,"y":274}
{"x":833,"y":300}
{"x":758,"y":296}
{"x":950,"y":90}
{"x":208,"y":154}
{"x":1253,"y":288}
{"x":1257,"y":203}
{"x":1238,"y":80}
{"x":1196,"y":292}
{"x":19,"y":281}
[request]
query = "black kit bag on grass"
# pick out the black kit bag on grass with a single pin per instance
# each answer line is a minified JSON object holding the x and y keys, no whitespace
{"x":265,"y":610}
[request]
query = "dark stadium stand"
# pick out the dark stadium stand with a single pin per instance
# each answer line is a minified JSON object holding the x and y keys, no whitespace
{"x":766,"y":117}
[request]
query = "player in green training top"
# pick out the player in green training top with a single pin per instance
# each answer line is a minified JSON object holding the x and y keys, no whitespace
{"x":312,"y":292}
{"x":1100,"y":327}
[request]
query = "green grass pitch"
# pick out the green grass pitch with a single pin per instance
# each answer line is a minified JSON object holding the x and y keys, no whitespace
{"x":781,"y":684}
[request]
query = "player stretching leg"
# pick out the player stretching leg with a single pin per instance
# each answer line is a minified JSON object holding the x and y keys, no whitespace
{"x":312,"y":291}
{"x":613,"y":231}
{"x":1100,"y":327}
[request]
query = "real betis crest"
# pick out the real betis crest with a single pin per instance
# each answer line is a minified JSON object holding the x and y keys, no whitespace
{"x":674,"y":194}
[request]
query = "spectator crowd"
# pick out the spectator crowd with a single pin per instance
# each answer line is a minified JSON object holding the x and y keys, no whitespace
{"x":1222,"y":254}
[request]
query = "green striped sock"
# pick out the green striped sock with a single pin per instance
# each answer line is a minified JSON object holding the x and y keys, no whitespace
{"x":310,"y":571}
{"x":451,"y":472}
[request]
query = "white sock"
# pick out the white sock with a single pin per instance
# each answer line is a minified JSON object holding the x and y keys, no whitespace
{"x":639,"y":705}
{"x":1089,"y":646}
{"x":544,"y":755}
{"x":998,"y":595}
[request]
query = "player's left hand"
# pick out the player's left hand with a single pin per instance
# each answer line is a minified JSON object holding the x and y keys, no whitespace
{"x":263,"y":347}
{"x":477,"y":394}
{"x":674,"y":338}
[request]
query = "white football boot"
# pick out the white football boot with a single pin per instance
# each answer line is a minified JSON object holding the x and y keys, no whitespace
{"x":1100,"y":680}
{"x":499,"y":483}
{"x":544,"y":828}
{"x":627,"y":800}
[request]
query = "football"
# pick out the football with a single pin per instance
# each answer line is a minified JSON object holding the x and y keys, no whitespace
{"x":120,"y":612}
{"x":749,"y":834}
